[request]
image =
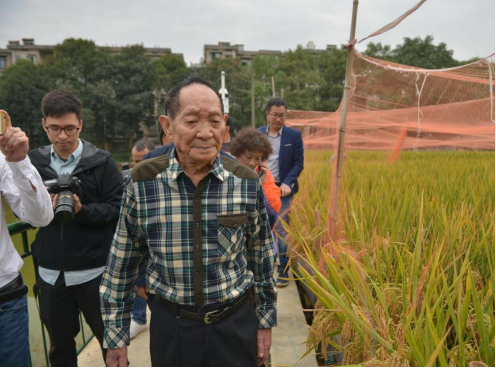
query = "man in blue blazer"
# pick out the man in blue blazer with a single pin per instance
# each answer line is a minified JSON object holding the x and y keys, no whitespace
{"x":285,"y":164}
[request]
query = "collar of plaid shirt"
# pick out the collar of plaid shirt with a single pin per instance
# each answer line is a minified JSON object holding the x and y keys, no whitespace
{"x":158,"y":223}
{"x":175,"y":168}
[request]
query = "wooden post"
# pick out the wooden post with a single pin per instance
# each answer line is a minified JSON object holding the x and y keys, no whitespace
{"x":282,"y":92}
{"x":342,"y":129}
{"x":252,"y":96}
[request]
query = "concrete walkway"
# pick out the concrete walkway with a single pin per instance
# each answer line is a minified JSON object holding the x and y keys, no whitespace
{"x":288,"y":338}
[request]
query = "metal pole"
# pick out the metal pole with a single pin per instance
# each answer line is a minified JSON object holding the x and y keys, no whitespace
{"x":342,"y":129}
{"x":252,"y":96}
{"x":223,"y":92}
{"x":273,"y":87}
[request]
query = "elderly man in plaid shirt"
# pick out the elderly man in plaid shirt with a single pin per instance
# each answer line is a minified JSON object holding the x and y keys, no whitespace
{"x":198,"y":220}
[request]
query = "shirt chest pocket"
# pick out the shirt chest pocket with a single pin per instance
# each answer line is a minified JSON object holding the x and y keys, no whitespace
{"x":231,"y":233}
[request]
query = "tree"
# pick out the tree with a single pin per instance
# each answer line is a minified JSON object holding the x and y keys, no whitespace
{"x":417,"y":52}
{"x":376,"y":50}
{"x":237,"y":83}
{"x":22,"y":87}
{"x":131,"y":77}
{"x":168,"y":70}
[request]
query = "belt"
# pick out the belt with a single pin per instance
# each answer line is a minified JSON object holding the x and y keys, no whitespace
{"x":13,"y":290}
{"x":217,"y":315}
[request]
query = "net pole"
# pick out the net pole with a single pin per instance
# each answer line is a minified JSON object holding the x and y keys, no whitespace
{"x":342,"y":128}
{"x":252,"y":95}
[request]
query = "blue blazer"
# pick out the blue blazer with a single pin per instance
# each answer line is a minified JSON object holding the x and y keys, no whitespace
{"x":290,"y":157}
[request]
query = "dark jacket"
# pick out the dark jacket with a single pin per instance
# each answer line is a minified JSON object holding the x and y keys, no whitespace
{"x":290,"y":157}
{"x":84,"y":243}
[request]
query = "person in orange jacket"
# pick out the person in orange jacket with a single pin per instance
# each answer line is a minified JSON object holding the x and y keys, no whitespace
{"x":252,"y":148}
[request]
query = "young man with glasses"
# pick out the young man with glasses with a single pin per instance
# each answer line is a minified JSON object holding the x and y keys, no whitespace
{"x":72,"y":256}
{"x":285,"y":164}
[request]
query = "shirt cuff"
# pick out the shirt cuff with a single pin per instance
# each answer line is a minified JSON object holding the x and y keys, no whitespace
{"x":115,"y":338}
{"x":267,"y":317}
{"x":23,"y":175}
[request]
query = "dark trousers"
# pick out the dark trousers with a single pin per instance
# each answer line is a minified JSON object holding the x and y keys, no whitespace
{"x":179,"y":342}
{"x":59,"y":309}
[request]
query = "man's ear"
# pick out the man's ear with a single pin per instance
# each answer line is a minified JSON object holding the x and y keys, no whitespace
{"x":43,"y":123}
{"x":165,"y":123}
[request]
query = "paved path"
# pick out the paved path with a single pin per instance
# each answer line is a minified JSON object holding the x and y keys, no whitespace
{"x":288,"y":338}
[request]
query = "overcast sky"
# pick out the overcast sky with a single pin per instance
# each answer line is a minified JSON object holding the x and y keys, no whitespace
{"x":466,"y":26}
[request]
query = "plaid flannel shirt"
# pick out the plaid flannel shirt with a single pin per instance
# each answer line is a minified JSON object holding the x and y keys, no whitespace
{"x":156,"y":224}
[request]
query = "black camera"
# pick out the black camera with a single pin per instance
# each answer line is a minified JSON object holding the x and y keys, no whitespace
{"x":65,"y":186}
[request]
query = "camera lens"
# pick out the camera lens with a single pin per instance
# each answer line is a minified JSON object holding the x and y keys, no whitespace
{"x":64,"y":207}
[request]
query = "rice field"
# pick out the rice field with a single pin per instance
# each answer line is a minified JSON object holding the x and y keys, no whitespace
{"x":410,"y":282}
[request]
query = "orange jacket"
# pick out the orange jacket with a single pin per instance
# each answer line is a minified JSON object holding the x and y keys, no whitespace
{"x":272,"y":192}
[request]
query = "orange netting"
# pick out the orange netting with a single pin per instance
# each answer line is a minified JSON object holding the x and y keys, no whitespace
{"x":394,"y":106}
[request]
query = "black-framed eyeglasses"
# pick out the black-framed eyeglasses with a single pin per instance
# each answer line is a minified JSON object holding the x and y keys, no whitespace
{"x":280,"y":116}
{"x":55,"y":130}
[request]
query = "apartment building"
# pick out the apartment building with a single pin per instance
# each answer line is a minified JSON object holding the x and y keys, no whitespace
{"x":28,"y":50}
{"x":224,"y":50}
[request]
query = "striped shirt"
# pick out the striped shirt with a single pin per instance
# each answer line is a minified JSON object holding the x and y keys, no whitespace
{"x":158,"y":222}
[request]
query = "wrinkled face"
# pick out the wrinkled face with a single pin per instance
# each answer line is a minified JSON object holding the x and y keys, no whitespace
{"x":276,"y":117}
{"x":138,"y":155}
{"x":198,"y":129}
{"x":250,"y":158}
{"x":64,"y":141}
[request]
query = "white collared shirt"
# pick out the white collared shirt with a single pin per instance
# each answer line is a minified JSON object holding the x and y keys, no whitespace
{"x":273,"y":160}
{"x":30,"y":206}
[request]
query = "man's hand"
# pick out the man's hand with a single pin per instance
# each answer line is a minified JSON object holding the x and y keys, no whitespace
{"x":117,"y":357}
{"x":285,"y":190}
{"x":77,"y":204}
{"x":141,"y":291}
{"x":14,"y":144}
{"x":264,"y":341}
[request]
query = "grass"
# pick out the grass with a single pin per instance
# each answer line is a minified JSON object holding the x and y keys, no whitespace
{"x":411,"y":280}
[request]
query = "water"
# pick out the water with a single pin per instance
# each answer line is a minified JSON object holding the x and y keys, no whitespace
{"x":28,"y":274}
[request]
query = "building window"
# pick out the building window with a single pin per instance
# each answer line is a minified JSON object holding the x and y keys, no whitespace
{"x":31,"y":58}
{"x":18,"y":57}
{"x":245,"y":61}
{"x":215,"y":55}
{"x":3,"y":63}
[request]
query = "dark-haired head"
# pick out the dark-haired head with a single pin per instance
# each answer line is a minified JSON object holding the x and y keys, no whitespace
{"x":277,"y":102}
{"x":172,"y":105}
{"x":250,"y":142}
{"x":277,"y":110}
{"x":195,"y":121}
{"x":58,"y":103}
{"x":143,"y":144}
{"x":62,"y":121}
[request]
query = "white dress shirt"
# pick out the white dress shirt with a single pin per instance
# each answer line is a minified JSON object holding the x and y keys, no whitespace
{"x":30,"y":206}
{"x":273,"y":160}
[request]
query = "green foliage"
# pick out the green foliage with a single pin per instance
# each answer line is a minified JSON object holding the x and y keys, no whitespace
{"x":411,"y":281}
{"x":168,"y":70}
{"x":22,"y":87}
{"x":416,"y":51}
{"x":120,"y":91}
